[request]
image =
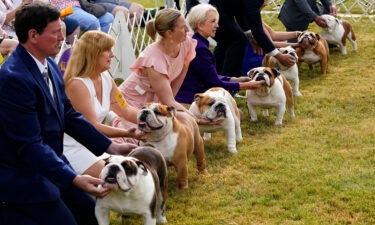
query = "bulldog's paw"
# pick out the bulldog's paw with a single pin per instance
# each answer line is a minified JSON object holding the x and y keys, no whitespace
{"x":265,"y":112}
{"x":240,"y":138}
{"x":297,"y":94}
{"x":254,"y":119}
{"x":204,"y":171}
{"x":161,"y":219}
{"x":278,"y":123}
{"x":206,"y":136}
{"x":233,"y":150}
{"x":182,"y":186}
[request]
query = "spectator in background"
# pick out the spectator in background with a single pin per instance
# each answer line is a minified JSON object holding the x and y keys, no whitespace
{"x":94,"y":93}
{"x":131,"y":9}
{"x":86,"y":20}
{"x":202,"y":74}
{"x":7,"y":45}
{"x":297,"y":15}
{"x":37,"y":185}
{"x":8,"y":9}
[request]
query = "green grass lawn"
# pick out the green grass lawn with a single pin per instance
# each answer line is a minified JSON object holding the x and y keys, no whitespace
{"x":318,"y":168}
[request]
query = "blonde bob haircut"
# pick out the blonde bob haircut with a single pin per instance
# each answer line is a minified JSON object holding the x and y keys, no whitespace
{"x":83,"y":60}
{"x":165,"y":19}
{"x":198,"y":15}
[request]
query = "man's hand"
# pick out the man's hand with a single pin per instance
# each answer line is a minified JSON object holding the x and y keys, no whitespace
{"x":320,"y":21}
{"x":3,"y":33}
{"x":240,"y":79}
{"x":137,"y":134}
{"x":120,"y":149}
{"x":286,"y":60}
{"x":332,"y":10}
{"x":90,"y":184}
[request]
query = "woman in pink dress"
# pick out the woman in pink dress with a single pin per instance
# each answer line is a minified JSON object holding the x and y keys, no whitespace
{"x":161,"y":68}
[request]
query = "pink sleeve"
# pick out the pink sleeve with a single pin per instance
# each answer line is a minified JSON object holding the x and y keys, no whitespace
{"x":150,"y":58}
{"x":190,"y":45}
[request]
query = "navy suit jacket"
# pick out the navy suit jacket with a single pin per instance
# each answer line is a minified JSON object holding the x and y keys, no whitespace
{"x":298,"y":14}
{"x":202,"y":74}
{"x":32,"y":124}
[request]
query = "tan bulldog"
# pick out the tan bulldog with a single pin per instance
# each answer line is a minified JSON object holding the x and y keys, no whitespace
{"x":176,"y":137}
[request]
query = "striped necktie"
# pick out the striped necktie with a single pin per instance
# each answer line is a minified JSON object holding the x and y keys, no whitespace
{"x":48,"y":81}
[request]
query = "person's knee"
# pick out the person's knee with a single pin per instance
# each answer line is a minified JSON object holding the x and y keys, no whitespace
{"x":122,"y":9}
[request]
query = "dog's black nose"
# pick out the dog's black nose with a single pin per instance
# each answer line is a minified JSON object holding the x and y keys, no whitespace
{"x":143,"y":116}
{"x":259,"y":78}
{"x":111,"y":175}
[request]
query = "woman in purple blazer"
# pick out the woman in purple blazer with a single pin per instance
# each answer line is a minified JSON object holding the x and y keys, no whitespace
{"x":202,"y":74}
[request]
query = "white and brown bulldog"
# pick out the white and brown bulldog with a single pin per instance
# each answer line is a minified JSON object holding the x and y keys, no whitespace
{"x":291,"y":73}
{"x":139,"y":184}
{"x":276,"y":92}
{"x":337,"y":31}
{"x":175,"y":136}
{"x":313,"y":49}
{"x":217,"y":104}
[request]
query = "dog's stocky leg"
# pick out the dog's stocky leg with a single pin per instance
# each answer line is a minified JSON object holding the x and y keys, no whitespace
{"x":280,"y":114}
{"x":102,"y":214}
{"x":148,"y":220}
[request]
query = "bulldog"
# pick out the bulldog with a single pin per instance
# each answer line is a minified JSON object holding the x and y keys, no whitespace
{"x":176,"y":137}
{"x":276,"y":92}
{"x":138,"y":184}
{"x":217,"y":104}
{"x":312,"y":49}
{"x":291,"y":73}
{"x":337,"y":31}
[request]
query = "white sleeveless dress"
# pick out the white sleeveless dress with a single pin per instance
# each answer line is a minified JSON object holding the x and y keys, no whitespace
{"x":79,"y":156}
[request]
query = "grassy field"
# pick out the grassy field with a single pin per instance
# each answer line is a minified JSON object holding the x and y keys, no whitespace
{"x":318,"y":168}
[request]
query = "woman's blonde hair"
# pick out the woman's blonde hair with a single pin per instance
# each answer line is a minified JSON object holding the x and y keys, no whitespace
{"x":83,"y":60}
{"x":166,"y":19}
{"x":198,"y":14}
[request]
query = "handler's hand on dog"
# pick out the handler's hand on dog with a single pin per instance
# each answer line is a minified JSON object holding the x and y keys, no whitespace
{"x":120,"y":149}
{"x":252,"y":84}
{"x":286,"y":60}
{"x":90,"y":185}
{"x":333,"y":10}
{"x":208,"y":122}
{"x":137,"y":134}
{"x":320,"y":21}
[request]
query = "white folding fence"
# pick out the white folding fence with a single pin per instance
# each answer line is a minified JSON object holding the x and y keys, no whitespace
{"x":131,"y":39}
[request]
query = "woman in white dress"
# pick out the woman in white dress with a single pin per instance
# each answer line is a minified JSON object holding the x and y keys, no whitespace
{"x":93,"y":93}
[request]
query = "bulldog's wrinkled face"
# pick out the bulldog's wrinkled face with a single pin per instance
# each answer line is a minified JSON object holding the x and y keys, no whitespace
{"x":331,"y":22}
{"x":122,"y":172}
{"x":211,"y":107}
{"x":289,"y":50}
{"x":308,"y":40}
{"x":263,"y":73}
{"x":154,"y":116}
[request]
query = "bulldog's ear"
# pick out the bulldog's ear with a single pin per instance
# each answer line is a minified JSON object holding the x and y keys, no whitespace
{"x":142,"y":167}
{"x":337,"y":21}
{"x":251,"y":73}
{"x":317,"y":37}
{"x":276,"y":72}
{"x":171,"y":110}
{"x":197,"y":98}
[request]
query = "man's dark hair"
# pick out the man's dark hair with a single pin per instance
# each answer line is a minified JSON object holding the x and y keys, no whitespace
{"x":35,"y":15}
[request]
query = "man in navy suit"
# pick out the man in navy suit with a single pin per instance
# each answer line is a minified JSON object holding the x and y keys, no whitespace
{"x":37,"y":185}
{"x":297,"y":15}
{"x":237,"y":19}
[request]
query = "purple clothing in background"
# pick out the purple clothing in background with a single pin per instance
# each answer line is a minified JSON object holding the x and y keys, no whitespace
{"x":202,"y":74}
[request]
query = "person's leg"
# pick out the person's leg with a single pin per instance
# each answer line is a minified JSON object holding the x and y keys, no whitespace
{"x":48,"y":213}
{"x":105,"y":22}
{"x":86,"y":20}
{"x":81,"y":204}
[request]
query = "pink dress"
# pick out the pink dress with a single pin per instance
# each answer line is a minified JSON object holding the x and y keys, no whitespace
{"x":137,"y":89}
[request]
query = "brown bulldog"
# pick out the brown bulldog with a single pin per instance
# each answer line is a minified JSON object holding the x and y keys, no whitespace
{"x":312,"y":49}
{"x":176,"y":137}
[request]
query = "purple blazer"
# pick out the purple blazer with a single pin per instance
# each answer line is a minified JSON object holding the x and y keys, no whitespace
{"x":202,"y":74}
